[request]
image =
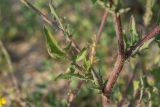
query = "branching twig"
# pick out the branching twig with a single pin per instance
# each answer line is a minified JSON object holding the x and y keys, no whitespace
{"x":145,"y":38}
{"x":44,"y":17}
{"x":120,"y":58}
{"x":74,"y":93}
{"x":122,"y":55}
{"x":51,"y":23}
{"x":98,"y":35}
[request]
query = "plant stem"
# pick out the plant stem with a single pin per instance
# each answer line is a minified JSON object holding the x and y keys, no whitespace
{"x":122,"y":56}
{"x":119,"y":35}
{"x":145,"y":38}
{"x":44,"y":17}
{"x":114,"y":75}
{"x":104,"y":17}
{"x":73,"y":94}
{"x":51,"y":23}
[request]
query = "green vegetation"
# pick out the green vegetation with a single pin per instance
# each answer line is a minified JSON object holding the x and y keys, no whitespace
{"x":86,"y":53}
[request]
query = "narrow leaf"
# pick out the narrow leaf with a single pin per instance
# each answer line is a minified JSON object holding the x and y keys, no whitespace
{"x":70,"y":75}
{"x":87,"y":64}
{"x":52,"y":46}
{"x":133,"y":31}
{"x":81,"y":55}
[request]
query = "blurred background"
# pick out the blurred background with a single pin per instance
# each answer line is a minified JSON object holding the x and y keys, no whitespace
{"x":27,"y":72}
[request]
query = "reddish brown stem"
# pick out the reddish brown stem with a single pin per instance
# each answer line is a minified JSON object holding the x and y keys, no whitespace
{"x":120,"y":58}
{"x":119,"y":35}
{"x":145,"y":38}
{"x":73,"y":94}
{"x":98,"y":35}
{"x":114,"y":75}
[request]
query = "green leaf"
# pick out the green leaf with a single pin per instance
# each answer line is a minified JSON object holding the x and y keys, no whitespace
{"x":55,"y":15}
{"x":87,"y":64}
{"x":70,"y":75}
{"x":133,"y":26}
{"x":133,"y":31}
{"x":126,"y":41}
{"x":81,"y":55}
{"x":93,"y":86}
{"x":97,"y":78}
{"x":52,"y":45}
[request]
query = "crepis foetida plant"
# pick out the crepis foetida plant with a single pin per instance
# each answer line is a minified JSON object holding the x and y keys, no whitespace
{"x":82,"y":60}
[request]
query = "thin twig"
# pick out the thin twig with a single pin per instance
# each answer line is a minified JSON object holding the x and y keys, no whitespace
{"x":98,"y":35}
{"x":51,"y":23}
{"x":104,"y":17}
{"x":44,"y":17}
{"x":73,"y":94}
{"x":12,"y":76}
{"x":131,"y":78}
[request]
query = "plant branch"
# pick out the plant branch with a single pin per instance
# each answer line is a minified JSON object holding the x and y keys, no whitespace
{"x":145,"y":38}
{"x":51,"y":23}
{"x":73,"y":94}
{"x":120,"y":58}
{"x":114,"y":75}
{"x":44,"y":17}
{"x":119,"y":35}
{"x":104,"y":17}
